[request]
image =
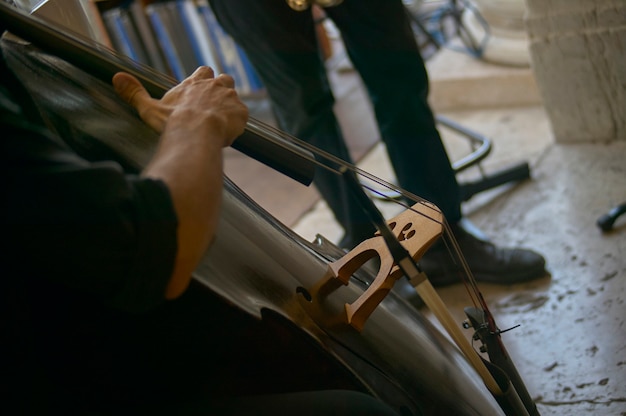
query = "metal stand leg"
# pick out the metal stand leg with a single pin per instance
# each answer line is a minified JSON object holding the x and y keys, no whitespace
{"x":481,"y":146}
{"x":606,"y":221}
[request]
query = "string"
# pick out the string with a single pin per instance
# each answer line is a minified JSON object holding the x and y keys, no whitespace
{"x":452,"y":246}
{"x":64,"y":42}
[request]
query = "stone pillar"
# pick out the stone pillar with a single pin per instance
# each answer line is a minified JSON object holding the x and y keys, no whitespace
{"x":499,"y":24}
{"x":578,"y":54}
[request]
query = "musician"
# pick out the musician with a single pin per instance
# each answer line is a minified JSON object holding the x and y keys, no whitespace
{"x":97,"y":260}
{"x":282,"y":45}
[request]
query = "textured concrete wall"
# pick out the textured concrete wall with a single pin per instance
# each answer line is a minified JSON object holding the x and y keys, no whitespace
{"x":578,"y":54}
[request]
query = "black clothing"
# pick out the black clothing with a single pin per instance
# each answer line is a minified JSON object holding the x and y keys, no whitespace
{"x":84,"y":328}
{"x":88,"y":250}
{"x":281,"y":44}
{"x":60,"y":203}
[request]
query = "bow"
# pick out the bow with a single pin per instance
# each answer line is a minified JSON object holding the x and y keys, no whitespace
{"x":399,"y":244}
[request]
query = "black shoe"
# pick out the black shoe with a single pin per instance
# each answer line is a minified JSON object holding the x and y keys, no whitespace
{"x":486,"y":262}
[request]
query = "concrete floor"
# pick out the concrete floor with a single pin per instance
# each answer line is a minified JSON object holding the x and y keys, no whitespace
{"x":570,"y":347}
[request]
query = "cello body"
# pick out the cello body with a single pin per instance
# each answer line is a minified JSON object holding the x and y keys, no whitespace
{"x":250,"y":293}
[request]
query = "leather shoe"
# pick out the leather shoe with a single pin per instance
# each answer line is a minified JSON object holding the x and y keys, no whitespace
{"x":487,"y":262}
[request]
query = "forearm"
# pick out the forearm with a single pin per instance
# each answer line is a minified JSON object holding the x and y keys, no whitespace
{"x":190,"y":162}
{"x":196,"y":119}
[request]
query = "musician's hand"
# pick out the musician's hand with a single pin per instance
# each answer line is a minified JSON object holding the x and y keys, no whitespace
{"x":200,"y":98}
{"x":195,"y":119}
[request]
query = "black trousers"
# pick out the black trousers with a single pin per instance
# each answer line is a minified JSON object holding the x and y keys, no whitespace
{"x":281,"y":44}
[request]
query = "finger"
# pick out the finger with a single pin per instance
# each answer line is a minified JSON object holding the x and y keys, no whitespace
{"x":226,"y":80}
{"x":130,"y":89}
{"x":203,"y":72}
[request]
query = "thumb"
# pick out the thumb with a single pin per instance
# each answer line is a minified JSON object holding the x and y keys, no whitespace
{"x":130,"y":89}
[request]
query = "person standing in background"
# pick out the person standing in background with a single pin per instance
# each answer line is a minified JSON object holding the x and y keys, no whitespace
{"x":282,"y":45}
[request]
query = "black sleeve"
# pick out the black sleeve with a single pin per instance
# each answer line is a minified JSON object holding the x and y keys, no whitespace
{"x":90,"y":227}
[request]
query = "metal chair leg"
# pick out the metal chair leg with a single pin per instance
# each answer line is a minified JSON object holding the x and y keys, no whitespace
{"x":606,"y":221}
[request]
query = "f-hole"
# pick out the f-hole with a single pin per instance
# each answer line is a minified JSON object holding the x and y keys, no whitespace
{"x":404,"y":235}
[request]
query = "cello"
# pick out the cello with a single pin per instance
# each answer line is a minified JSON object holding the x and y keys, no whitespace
{"x":289,"y":303}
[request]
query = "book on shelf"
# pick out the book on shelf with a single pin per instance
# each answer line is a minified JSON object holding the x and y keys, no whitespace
{"x":198,"y":34}
{"x":147,"y":36}
{"x":173,"y":38}
{"x":168,"y":33}
{"x":233,"y":60}
{"x":177,"y":36}
{"x":132,"y":35}
{"x":123,"y":35}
